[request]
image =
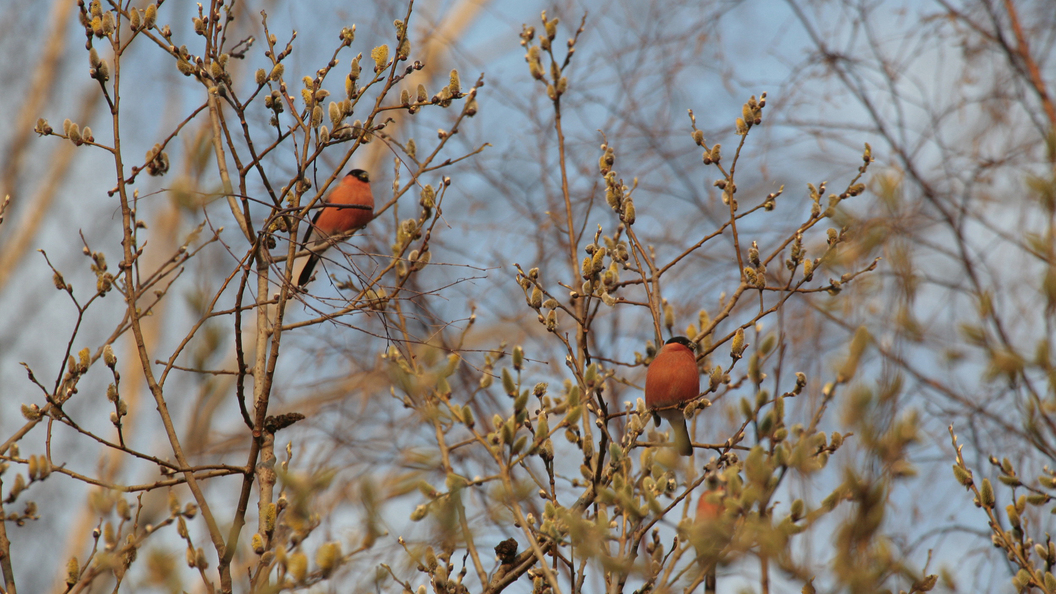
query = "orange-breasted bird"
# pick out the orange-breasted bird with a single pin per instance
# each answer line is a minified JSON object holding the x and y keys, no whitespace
{"x":346,"y":208}
{"x":673,"y":379}
{"x":711,"y":536}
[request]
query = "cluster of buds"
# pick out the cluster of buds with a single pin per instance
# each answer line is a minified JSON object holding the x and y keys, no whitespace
{"x":104,"y":281}
{"x":751,"y":114}
{"x":755,"y":274}
{"x":187,"y":64}
{"x":43,"y":128}
{"x":347,"y":35}
{"x":313,"y":95}
{"x":450,"y":92}
{"x":147,"y":18}
{"x":444,"y":577}
{"x":729,"y":188}
{"x":598,"y":279}
{"x":533,"y":294}
{"x":403,"y":47}
{"x":711,"y":155}
{"x":557,"y":84}
{"x":354,"y":70}
{"x":798,"y":256}
{"x":218,"y":71}
{"x":617,"y":195}
{"x":99,"y":69}
{"x":76,"y":367}
{"x":157,"y":161}
{"x":203,"y":21}
{"x":95,"y":20}
{"x":72,"y":131}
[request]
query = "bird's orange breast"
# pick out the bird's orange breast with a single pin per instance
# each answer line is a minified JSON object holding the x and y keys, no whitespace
{"x":672,"y":378}
{"x":352,"y":191}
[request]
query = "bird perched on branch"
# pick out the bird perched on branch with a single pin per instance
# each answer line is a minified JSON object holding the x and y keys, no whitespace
{"x":346,"y":208}
{"x":711,"y":534}
{"x":672,"y":380}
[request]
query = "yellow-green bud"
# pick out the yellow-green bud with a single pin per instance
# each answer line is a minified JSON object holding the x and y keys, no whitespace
{"x":381,"y":57}
{"x":123,"y":509}
{"x":297,"y":566}
{"x":507,"y":382}
{"x":268,"y":515}
{"x":537,"y":298}
{"x":551,"y":28}
{"x":738,"y":346}
{"x":73,"y":572}
{"x":31,"y":412}
{"x":629,"y":215}
{"x":150,"y":16}
{"x":185,"y":67}
{"x":986,"y":494}
{"x":428,"y":195}
{"x":328,"y":557}
{"x":808,"y":269}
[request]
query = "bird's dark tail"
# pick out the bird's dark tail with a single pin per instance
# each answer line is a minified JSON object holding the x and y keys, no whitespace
{"x":306,"y":272}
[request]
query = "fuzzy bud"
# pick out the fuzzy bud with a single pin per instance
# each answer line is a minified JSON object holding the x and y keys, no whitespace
{"x":986,"y":494}
{"x":297,"y":566}
{"x":380,"y":55}
{"x":73,"y":572}
{"x":75,"y":135}
{"x":327,"y":557}
{"x":108,"y":356}
{"x":629,"y":214}
{"x":738,"y":346}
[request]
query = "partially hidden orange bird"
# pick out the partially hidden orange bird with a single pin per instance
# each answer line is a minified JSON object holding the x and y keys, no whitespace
{"x":672,"y":380}
{"x":347,"y":207}
{"x":709,"y":513}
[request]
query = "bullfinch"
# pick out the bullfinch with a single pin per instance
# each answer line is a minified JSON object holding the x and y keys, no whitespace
{"x":346,"y":208}
{"x":711,"y":534}
{"x":671,"y":380}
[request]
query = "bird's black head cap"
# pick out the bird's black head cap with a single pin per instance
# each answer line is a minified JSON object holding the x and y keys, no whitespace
{"x":361,"y":175}
{"x":682,"y":340}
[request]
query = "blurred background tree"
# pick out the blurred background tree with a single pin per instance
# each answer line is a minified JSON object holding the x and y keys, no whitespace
{"x":465,"y":377}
